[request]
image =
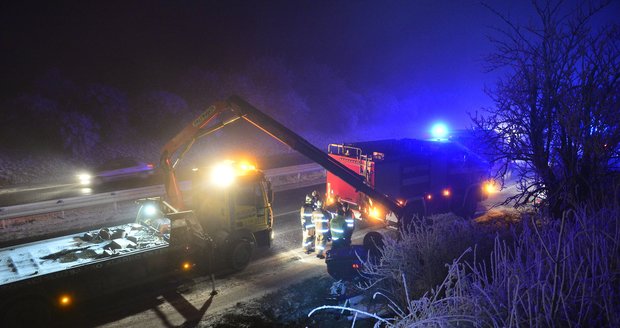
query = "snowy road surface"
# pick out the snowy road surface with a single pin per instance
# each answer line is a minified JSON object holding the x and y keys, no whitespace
{"x":282,"y":265}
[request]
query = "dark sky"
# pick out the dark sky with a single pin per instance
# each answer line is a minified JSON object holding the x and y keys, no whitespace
{"x":428,"y":53}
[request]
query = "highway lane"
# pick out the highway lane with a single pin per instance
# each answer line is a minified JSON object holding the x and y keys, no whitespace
{"x":25,"y":194}
{"x":69,"y":186}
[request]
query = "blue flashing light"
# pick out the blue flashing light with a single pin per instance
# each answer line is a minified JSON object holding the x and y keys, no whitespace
{"x":439,"y":131}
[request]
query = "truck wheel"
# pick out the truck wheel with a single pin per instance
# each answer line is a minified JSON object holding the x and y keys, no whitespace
{"x":240,"y":255}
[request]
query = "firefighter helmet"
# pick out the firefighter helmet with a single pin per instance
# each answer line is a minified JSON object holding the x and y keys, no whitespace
{"x":308,"y":199}
{"x":319,"y":204}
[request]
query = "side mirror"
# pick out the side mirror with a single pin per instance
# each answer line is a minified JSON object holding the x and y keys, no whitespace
{"x":269,"y":193}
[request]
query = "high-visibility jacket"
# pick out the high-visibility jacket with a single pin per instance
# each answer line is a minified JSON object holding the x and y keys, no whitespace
{"x":338,"y":226}
{"x":321,"y":221}
{"x":306,"y":216}
{"x":349,"y":217}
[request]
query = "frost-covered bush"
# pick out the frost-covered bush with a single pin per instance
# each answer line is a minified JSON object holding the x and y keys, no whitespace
{"x":557,"y":273}
{"x":419,"y":254}
{"x":552,"y":273}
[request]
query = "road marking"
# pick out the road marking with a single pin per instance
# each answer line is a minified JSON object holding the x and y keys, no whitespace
{"x":28,"y":188}
{"x":286,"y":213}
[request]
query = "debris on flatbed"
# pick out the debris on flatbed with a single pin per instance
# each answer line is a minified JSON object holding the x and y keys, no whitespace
{"x":120,"y":243}
{"x":57,"y":254}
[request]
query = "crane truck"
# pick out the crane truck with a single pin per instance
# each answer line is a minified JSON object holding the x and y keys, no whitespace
{"x":222,"y":220}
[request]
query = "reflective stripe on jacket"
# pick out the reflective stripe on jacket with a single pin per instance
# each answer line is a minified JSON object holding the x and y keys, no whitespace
{"x":305,"y":214}
{"x":320,"y":221}
{"x":337,"y":227}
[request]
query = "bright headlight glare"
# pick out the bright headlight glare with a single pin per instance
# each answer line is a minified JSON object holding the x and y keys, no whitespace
{"x":150,"y":210}
{"x":374,"y":212}
{"x":223,"y":175}
{"x":84,"y":178}
{"x":245,"y":166}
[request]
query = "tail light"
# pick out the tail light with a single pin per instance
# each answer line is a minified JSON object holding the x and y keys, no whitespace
{"x":65,"y":300}
{"x":186,"y":266}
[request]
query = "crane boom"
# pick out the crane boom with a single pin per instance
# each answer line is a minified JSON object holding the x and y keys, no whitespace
{"x":242,"y":109}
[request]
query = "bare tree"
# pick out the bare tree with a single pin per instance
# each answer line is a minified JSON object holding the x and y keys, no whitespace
{"x":556,"y":117}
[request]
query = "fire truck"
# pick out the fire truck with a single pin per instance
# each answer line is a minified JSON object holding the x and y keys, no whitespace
{"x":424,"y":177}
{"x":433,"y":176}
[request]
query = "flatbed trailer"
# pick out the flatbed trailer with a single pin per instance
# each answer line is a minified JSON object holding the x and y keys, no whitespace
{"x":44,"y":259}
{"x":47,"y":277}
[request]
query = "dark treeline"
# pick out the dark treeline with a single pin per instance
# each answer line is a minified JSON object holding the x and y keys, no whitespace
{"x":60,"y":113}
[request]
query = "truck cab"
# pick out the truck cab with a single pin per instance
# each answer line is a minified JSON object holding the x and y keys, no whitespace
{"x":232,"y":201}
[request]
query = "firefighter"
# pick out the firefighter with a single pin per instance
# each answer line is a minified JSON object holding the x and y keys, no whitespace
{"x":316,"y":199}
{"x":307,"y":225}
{"x":335,"y":205}
{"x":338,"y":227}
{"x":321,"y":217}
{"x":349,"y":218}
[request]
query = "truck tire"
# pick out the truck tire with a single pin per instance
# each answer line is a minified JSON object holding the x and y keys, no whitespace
{"x":240,"y":255}
{"x":373,"y":242}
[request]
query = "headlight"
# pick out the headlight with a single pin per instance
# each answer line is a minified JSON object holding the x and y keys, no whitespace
{"x":85,"y":179}
{"x":150,"y":210}
{"x":374,"y":212}
{"x":223,"y":174}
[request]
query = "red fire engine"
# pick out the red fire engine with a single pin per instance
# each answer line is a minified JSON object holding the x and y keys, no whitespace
{"x":438,"y":176}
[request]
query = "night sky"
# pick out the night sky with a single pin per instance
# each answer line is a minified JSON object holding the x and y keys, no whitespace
{"x":427,"y":54}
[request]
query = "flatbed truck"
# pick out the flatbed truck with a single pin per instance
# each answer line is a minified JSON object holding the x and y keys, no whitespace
{"x":169,"y":236}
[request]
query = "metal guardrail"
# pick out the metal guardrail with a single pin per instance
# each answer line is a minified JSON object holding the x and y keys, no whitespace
{"x":283,"y":178}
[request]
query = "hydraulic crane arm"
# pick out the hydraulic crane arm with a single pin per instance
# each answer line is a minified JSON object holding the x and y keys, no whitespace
{"x":242,"y":109}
